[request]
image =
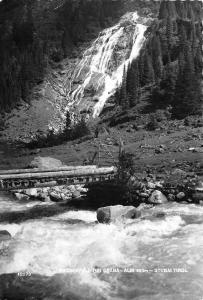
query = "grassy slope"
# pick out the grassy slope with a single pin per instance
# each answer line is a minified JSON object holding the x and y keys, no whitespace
{"x":143,"y":144}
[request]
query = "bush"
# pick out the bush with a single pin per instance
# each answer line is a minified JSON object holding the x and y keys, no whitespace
{"x":79,"y":130}
{"x":162,"y":115}
{"x":153,"y":123}
{"x":126,"y":167}
{"x":42,"y":140}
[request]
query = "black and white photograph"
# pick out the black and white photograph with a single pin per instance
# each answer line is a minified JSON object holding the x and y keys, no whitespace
{"x":101,"y":150}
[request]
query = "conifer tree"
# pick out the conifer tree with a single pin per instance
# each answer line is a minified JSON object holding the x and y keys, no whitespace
{"x":123,"y":91}
{"x":117,"y":96}
{"x":133,"y":83}
{"x":148,"y":74}
{"x":157,"y":58}
{"x":198,"y":60}
{"x":169,"y":85}
{"x":163,"y":11}
{"x":188,"y":97}
{"x":169,"y":32}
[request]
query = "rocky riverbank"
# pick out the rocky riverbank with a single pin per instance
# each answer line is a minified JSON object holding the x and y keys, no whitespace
{"x":148,"y":188}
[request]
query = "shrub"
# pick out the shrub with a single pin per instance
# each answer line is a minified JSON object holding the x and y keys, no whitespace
{"x":79,"y":130}
{"x":153,"y":123}
{"x":126,"y":167}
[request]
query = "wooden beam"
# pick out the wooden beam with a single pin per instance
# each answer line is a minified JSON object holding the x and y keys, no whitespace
{"x":35,"y":170}
{"x":53,"y":174}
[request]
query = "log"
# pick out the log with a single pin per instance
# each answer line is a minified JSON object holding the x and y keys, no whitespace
{"x":72,"y":173}
{"x":35,"y":170}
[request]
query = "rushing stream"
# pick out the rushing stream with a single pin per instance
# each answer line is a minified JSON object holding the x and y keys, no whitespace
{"x":68,"y":255}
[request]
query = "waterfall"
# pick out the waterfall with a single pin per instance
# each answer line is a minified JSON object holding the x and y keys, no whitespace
{"x":100,"y":71}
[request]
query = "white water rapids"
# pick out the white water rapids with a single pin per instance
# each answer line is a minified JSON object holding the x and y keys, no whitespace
{"x":101,"y":68}
{"x":149,"y":258}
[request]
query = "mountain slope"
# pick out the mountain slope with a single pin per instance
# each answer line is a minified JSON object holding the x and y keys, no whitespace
{"x":50,"y":65}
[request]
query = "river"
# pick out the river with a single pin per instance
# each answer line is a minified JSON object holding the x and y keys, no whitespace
{"x":68,"y":255}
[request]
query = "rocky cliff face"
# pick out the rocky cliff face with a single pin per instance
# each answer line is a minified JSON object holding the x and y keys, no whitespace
{"x":68,"y":56}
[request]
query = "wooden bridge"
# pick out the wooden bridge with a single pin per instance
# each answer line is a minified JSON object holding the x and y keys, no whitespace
{"x":34,"y":178}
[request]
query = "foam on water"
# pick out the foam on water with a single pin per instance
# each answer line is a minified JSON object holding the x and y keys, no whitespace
{"x":9,"y":204}
{"x":53,"y":245}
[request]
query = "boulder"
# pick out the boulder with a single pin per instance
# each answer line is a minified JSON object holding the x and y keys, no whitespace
{"x":76,"y":194}
{"x":4,"y":235}
{"x":171,"y":197}
{"x":157,"y":197}
{"x":180,"y":195}
{"x":32,"y":193}
{"x":151,"y":185}
{"x":22,"y":197}
{"x":55,"y":197}
{"x":45,"y":163}
{"x":118,"y":212}
{"x":179,"y":172}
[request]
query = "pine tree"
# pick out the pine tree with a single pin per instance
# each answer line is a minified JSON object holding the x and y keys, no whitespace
{"x":157,"y":58}
{"x":169,"y":85}
{"x":133,"y":83}
{"x":123,"y":91}
{"x":163,"y":11}
{"x":182,"y":37}
{"x":141,"y":69}
{"x":198,"y":60}
{"x":117,"y":96}
{"x":169,"y":32}
{"x":187,"y":99}
{"x":148,"y":74}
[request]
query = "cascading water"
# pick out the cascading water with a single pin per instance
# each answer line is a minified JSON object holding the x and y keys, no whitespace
{"x":101,"y":69}
{"x":69,"y":256}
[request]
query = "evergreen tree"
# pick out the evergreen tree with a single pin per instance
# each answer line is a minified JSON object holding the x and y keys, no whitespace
{"x":148,"y":74}
{"x":123,"y":91}
{"x":182,"y":37}
{"x":169,"y":85}
{"x":163,"y":11}
{"x":157,"y":58}
{"x":117,"y":96}
{"x":198,"y":60}
{"x":169,"y":32}
{"x":141,"y":69}
{"x":188,"y":97}
{"x":133,"y":83}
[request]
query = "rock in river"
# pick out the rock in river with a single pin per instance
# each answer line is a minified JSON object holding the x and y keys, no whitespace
{"x":112,"y":213}
{"x":4,"y":235}
{"x":157,"y":198}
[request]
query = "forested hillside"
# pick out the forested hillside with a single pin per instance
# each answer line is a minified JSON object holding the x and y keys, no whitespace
{"x":43,"y":42}
{"x":34,"y":34}
{"x":170,"y":64}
